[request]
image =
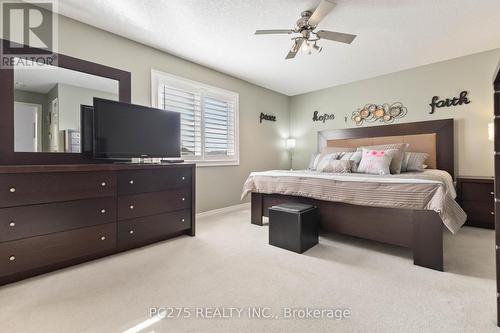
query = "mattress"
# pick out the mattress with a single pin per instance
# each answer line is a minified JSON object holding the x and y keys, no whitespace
{"x":428,"y":190}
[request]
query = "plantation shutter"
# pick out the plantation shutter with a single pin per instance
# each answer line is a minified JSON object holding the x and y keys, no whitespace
{"x":219,"y":127}
{"x":209,"y":118}
{"x":188,"y":104}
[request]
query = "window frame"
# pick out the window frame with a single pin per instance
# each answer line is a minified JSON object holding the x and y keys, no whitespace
{"x":161,"y":78}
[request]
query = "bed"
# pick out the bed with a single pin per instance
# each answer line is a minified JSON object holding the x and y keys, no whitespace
{"x":409,"y":210}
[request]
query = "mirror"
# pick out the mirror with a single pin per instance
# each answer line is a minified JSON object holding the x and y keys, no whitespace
{"x":47,"y":102}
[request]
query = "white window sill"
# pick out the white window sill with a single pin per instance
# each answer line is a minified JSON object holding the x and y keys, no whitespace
{"x":213,"y":163}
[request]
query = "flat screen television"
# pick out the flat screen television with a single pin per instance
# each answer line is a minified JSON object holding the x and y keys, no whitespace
{"x":125,"y":131}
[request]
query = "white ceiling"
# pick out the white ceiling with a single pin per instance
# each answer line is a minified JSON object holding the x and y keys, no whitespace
{"x":43,"y":78}
{"x":392,"y":35}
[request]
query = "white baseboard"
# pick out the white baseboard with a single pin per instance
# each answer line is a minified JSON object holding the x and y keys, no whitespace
{"x":224,"y":210}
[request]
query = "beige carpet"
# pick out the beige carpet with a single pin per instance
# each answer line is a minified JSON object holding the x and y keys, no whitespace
{"x":229,"y":264}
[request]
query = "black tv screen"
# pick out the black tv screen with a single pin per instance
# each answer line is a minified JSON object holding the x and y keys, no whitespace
{"x":123,"y":130}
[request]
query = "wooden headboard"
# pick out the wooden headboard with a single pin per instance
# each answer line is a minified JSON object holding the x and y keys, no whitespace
{"x":432,"y":137}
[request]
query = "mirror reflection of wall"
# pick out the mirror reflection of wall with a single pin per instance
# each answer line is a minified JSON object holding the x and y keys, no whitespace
{"x":47,"y":102}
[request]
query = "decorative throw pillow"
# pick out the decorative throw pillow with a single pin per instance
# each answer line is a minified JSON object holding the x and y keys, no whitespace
{"x":324,"y":160}
{"x":336,"y":166}
{"x":397,"y":159}
{"x":376,"y":162}
{"x":313,"y":162}
{"x":355,"y":157}
{"x":414,"y":161}
{"x":329,"y":150}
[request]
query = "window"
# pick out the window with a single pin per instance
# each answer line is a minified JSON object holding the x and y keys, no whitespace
{"x":209,"y":118}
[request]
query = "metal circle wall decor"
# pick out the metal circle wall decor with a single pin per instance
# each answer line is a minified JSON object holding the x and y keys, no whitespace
{"x":384,"y":113}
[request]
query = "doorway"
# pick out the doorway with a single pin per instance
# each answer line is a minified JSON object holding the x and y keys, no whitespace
{"x":27,"y":127}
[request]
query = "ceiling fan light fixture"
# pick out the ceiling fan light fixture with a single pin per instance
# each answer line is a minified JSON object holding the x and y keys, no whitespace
{"x":317,"y":48}
{"x":306,"y":47}
{"x":306,"y":26}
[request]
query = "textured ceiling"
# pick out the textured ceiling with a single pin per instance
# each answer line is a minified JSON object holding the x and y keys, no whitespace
{"x":392,"y":35}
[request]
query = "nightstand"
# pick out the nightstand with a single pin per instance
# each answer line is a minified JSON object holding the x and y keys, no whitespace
{"x":477,"y":198}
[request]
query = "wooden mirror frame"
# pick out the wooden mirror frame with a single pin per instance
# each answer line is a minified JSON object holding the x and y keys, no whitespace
{"x":7,"y":154}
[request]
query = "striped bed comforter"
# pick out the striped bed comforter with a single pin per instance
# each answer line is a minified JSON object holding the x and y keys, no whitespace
{"x":427,"y":190}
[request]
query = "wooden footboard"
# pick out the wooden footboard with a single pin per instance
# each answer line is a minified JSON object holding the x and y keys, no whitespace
{"x":420,"y":231}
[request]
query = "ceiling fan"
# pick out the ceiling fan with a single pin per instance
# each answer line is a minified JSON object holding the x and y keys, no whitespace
{"x":306,"y":26}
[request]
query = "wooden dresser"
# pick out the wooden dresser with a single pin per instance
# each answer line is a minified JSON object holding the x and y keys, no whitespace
{"x":56,"y":216}
{"x":477,"y":198}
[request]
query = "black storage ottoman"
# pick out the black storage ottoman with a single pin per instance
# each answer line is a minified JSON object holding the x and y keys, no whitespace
{"x":293,"y":226}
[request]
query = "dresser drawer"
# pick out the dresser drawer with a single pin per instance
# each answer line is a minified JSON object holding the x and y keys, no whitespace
{"x":479,"y":213}
{"x":35,"y":252}
{"x":139,"y":205}
{"x":140,"y":181}
{"x":475,"y":191}
{"x":29,"y":221}
{"x":151,"y":228}
{"x":36,"y":188}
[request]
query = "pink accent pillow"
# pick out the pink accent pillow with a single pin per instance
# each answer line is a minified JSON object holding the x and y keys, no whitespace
{"x":376,"y":162}
{"x":397,"y":157}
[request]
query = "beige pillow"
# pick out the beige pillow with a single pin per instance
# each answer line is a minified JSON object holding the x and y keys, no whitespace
{"x":397,"y":158}
{"x":328,"y":150}
{"x":414,"y":161}
{"x":354,"y":157}
{"x":336,"y":166}
{"x":324,"y":159}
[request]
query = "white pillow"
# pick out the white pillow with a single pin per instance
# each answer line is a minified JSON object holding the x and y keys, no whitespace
{"x":397,"y":157}
{"x":313,"y":162}
{"x":376,"y":162}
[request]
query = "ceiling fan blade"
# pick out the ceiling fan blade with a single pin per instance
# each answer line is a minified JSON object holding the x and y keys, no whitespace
{"x":295,"y":49}
{"x":323,"y":9}
{"x":336,"y":36}
{"x":270,"y":32}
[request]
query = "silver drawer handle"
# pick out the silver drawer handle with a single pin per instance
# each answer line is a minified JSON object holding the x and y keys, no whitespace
{"x":183,"y":199}
{"x":12,"y":190}
{"x":131,"y":182}
{"x":103,"y":184}
{"x":131,"y":232}
{"x":131,"y":206}
{"x":182,"y":220}
{"x":12,"y":258}
{"x":183,"y":178}
{"x":103,"y":211}
{"x":492,"y":213}
{"x":12,"y":224}
{"x":103,"y":238}
{"x":492,"y":193}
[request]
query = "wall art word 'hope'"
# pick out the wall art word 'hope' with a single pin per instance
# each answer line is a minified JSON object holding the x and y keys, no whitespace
{"x":323,"y":117}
